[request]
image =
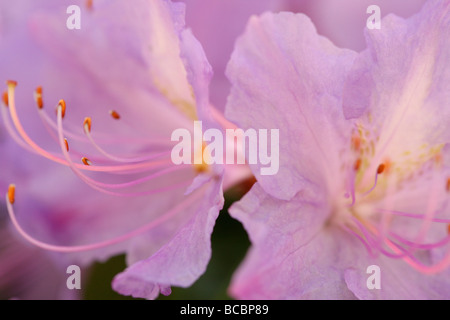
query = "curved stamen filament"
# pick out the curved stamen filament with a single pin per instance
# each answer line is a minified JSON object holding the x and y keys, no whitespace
{"x":50,"y":156}
{"x":70,"y":133}
{"x":364,"y":242}
{"x":120,"y":159}
{"x":422,"y":246}
{"x":5,"y":98}
{"x":368,"y":233}
{"x":433,"y":269}
{"x":48,"y":122}
{"x":13,"y":134}
{"x":380,"y":170}
{"x":66,"y":249}
{"x":404,"y":254}
{"x":413,"y":216}
{"x":102,"y":186}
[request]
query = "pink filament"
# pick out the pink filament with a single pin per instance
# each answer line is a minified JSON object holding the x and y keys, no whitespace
{"x":374,"y":185}
{"x":413,"y":216}
{"x":66,"y":249}
{"x":13,"y":134}
{"x":120,"y":159}
{"x":57,"y":159}
{"x":421,"y":246}
{"x":364,"y":242}
{"x":375,"y":244}
{"x":101,"y":186}
{"x":406,"y":255}
{"x":50,"y":123}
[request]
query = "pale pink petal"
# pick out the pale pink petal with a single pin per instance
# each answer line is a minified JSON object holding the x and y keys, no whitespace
{"x":183,"y":259}
{"x":286,"y":77}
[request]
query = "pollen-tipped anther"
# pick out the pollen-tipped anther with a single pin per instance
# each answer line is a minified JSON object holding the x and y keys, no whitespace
{"x":5,"y":98}
{"x":67,"y":144}
{"x":62,"y":105}
{"x":87,"y":124}
{"x":357,"y":164}
{"x":114,"y":114}
{"x":11,"y":193}
{"x":86,"y":161}
{"x":38,"y":97}
{"x":381,"y":168}
{"x":11,"y":83}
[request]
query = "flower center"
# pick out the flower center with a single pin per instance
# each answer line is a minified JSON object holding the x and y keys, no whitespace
{"x":376,"y":194}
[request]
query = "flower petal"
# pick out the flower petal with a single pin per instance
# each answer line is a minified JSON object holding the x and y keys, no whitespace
{"x":286,"y":77}
{"x":400,"y":83}
{"x":295,"y":255}
{"x":291,"y":257}
{"x":183,"y":259}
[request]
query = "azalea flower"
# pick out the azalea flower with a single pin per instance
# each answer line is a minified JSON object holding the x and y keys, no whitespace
{"x":100,"y":180}
{"x":364,"y":173}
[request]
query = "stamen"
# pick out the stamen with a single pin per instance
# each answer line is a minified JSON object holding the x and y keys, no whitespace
{"x":356,"y":142}
{"x":101,"y":186}
{"x":381,"y":168}
{"x":38,"y":97}
{"x":413,"y":216}
{"x":89,"y":4}
{"x":12,"y":133}
{"x":121,"y":159}
{"x":114,"y":114}
{"x":86,"y":161}
{"x":11,"y":193}
{"x":28,"y":143}
{"x":367,"y":230}
{"x":5,"y":98}
{"x":87,"y":124}
{"x":62,"y":105}
{"x":433,"y":269}
{"x":422,"y":246}
{"x":448,"y":185}
{"x":11,"y":83}
{"x":400,"y":252}
{"x":67,"y":144}
{"x":163,"y":218}
{"x":357,"y":164}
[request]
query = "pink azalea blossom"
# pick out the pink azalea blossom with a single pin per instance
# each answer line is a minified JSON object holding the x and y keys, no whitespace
{"x":364,"y":160}
{"x":97,"y":179}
